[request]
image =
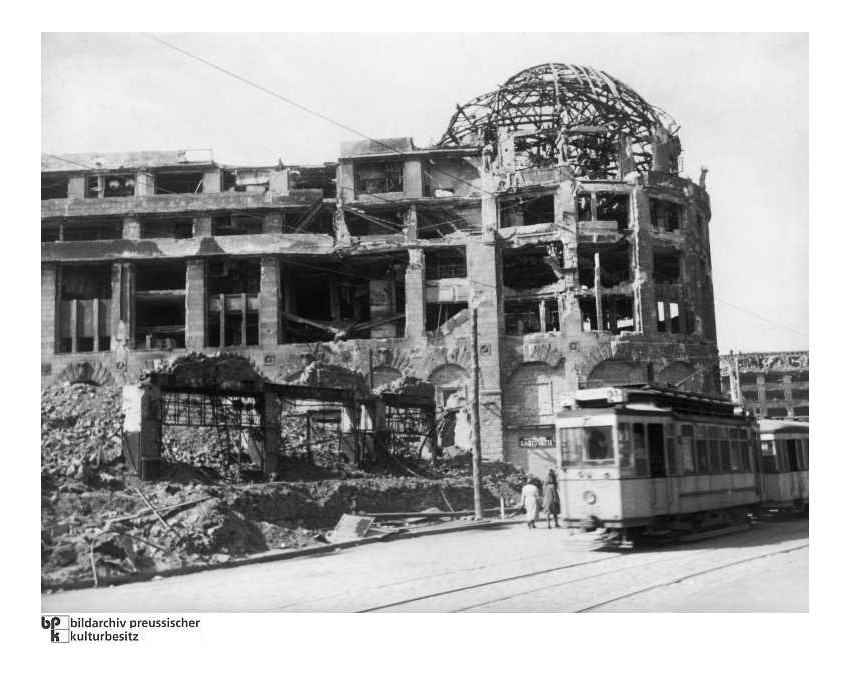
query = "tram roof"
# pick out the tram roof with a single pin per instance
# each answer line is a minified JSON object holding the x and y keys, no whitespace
{"x":656,"y":396}
{"x":783,"y":426}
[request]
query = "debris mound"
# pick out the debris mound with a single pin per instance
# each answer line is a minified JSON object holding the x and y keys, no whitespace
{"x":99,"y":523}
{"x":80,"y":433}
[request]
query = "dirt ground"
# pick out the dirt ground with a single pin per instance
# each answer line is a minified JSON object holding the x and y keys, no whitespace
{"x":97,"y":519}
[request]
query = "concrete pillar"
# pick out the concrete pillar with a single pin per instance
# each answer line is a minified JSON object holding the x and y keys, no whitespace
{"x":145,"y":184}
{"x":77,"y":187}
{"x":489,"y":213}
{"x":412,"y":181}
{"x":507,"y":151}
{"x":273,"y":222}
{"x":142,"y":433}
{"x":481,"y":263}
{"x":597,"y":291}
{"x":411,"y":224}
{"x":196,"y":304}
{"x":345,"y":181}
{"x":202,"y":226}
{"x":271,"y":434}
{"x":414,"y":294}
{"x":212,"y":181}
{"x":132,"y":229}
{"x":341,"y":234}
{"x":49,"y":307}
{"x":269,"y":301}
{"x":121,"y":326}
{"x":644,"y":288}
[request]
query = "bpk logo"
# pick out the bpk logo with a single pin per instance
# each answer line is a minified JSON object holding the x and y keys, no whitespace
{"x":59,"y":626}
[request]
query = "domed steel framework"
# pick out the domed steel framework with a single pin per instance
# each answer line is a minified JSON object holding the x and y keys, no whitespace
{"x":565,"y":114}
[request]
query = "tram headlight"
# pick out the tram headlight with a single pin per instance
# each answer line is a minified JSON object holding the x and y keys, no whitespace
{"x":589,"y":497}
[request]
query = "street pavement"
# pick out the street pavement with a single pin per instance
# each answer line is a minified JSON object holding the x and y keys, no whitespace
{"x":506,"y":569}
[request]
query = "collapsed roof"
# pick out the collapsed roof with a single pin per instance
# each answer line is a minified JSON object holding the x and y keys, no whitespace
{"x":598,"y":115}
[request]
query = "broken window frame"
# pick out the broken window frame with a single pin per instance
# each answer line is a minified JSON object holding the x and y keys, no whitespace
{"x":445,"y":311}
{"x":665,"y":215}
{"x":176,"y":227}
{"x":444,"y":263}
{"x":51,"y":230}
{"x":608,"y":275}
{"x":91,"y":229}
{"x":329,"y":303}
{"x":159,"y":291}
{"x":674,"y":316}
{"x":87,"y":309}
{"x":162,"y":187}
{"x":521,"y":206}
{"x":361,"y":223}
{"x":237,"y":223}
{"x":378,"y":177}
{"x":587,"y":205}
{"x":235,"y":307}
{"x":100,"y":185}
{"x":662,"y":258}
{"x":54,"y":187}
{"x":618,"y":308}
{"x":531,"y":316}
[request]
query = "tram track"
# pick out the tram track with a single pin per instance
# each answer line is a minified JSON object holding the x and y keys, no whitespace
{"x":492,"y":582}
{"x":538,"y":573}
{"x":692,"y":575}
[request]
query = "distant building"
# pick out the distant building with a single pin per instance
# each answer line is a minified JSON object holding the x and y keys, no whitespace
{"x":773,"y":385}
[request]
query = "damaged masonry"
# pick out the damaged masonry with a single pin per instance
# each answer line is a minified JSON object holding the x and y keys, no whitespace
{"x":555,"y":203}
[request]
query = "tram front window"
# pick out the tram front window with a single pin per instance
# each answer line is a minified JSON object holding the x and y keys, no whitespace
{"x":592,"y":445}
{"x":600,"y":447}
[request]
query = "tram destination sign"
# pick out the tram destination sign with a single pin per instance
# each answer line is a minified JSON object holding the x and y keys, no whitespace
{"x":536,"y":441}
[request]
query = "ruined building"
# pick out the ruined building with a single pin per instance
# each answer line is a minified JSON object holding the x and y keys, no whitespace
{"x":554,"y":204}
{"x":772,"y":385}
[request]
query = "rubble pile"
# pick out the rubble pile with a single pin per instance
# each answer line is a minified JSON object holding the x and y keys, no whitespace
{"x":80,"y":433}
{"x":99,"y":522}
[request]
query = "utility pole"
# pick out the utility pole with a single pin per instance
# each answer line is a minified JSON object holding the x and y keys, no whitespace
{"x":476,"y":420}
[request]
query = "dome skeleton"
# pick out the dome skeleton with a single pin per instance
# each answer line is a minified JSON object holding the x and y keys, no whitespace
{"x":546,"y":104}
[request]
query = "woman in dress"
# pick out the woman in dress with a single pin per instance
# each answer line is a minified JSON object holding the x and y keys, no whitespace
{"x":551,"y":500}
{"x":531,"y":502}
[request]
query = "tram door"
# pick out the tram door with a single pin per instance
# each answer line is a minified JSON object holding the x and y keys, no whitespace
{"x":796,"y":484}
{"x":657,"y":470}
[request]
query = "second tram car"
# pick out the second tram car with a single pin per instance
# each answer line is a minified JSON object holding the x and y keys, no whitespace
{"x":646,"y":459}
{"x":785,"y":464}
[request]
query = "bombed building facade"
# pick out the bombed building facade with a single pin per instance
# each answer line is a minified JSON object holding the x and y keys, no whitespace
{"x":554,"y":205}
{"x":773,"y":385}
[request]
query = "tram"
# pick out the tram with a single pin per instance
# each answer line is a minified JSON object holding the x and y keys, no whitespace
{"x":649,"y":460}
{"x":784,"y":465}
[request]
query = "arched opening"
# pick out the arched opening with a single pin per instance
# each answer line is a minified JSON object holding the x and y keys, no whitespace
{"x":383,"y":374}
{"x":614,"y":373}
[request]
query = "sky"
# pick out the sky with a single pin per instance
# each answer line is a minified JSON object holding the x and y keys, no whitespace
{"x":742,"y":101}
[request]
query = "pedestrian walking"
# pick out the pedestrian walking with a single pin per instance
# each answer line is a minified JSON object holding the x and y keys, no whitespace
{"x":551,"y":500}
{"x":531,"y":502}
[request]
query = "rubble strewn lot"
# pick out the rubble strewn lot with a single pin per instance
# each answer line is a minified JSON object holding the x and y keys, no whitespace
{"x":97,"y":520}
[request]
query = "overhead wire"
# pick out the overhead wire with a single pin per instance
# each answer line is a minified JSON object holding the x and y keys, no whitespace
{"x":286,"y":99}
{"x":380,"y":143}
{"x":761,"y":317}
